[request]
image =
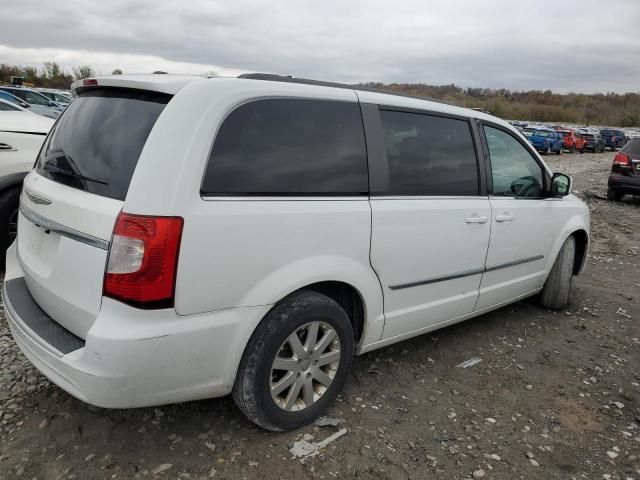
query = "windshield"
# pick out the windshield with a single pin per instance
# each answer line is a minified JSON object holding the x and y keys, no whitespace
{"x":35,"y":98}
{"x":97,"y":141}
{"x":543,"y":133}
{"x":566,"y":134}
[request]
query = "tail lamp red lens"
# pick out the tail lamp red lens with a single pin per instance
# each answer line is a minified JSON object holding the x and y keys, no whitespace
{"x":622,"y":159}
{"x":143,"y":260}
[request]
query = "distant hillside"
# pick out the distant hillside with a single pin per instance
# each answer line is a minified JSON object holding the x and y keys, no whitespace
{"x":596,"y":109}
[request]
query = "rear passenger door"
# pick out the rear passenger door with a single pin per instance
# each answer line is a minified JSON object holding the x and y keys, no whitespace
{"x":430,"y":222}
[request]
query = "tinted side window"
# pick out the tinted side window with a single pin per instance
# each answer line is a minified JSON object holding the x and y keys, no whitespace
{"x":5,"y":107}
{"x":289,"y":146}
{"x":429,"y":155}
{"x":515,"y":172}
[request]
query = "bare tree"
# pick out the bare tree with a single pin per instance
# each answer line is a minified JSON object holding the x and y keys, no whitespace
{"x":83,"y":71}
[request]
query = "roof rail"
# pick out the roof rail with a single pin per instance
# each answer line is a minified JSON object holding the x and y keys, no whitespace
{"x":272,"y":77}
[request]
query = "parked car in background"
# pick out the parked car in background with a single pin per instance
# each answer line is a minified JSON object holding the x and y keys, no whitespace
{"x":546,"y":141}
{"x":172,"y":245}
{"x":61,"y":99}
{"x":34,"y":98}
{"x":21,"y":135}
{"x":613,"y":139}
{"x":33,"y":108}
{"x":528,"y":131}
{"x":7,"y":97}
{"x":593,"y":142}
{"x":572,"y":140}
{"x":625,"y":172}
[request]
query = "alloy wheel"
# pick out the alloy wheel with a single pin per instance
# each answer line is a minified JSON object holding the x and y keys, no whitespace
{"x":305,"y":366}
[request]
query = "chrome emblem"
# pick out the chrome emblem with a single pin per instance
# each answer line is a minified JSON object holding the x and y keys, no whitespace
{"x":37,"y":198}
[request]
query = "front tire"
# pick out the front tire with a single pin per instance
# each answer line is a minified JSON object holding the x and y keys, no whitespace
{"x":557,"y":288}
{"x":295,"y":363}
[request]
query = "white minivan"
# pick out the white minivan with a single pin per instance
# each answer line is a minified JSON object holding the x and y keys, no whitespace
{"x":184,"y":238}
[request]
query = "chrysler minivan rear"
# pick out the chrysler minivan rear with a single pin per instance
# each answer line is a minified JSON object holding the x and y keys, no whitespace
{"x":89,"y":289}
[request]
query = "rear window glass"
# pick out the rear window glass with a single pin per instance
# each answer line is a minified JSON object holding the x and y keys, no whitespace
{"x":96,"y":143}
{"x":429,"y":155}
{"x":289,"y":147}
{"x":632,"y":148}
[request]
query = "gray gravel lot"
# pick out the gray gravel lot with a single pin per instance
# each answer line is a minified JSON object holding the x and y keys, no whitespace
{"x":557,"y":395}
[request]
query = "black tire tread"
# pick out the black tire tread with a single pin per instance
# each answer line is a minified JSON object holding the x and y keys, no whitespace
{"x":557,"y":288}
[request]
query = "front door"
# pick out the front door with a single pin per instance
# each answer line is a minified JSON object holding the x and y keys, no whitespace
{"x":523,"y":223}
{"x":430,"y":225}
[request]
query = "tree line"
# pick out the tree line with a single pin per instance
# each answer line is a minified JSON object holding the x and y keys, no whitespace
{"x":51,"y":75}
{"x":612,"y":109}
{"x":542,"y":106}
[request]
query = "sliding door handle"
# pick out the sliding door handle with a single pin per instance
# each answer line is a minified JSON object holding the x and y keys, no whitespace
{"x":504,"y":217}
{"x":476,"y":219}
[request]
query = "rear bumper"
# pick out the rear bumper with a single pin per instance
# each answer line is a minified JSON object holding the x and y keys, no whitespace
{"x":625,"y":183}
{"x":133,"y":358}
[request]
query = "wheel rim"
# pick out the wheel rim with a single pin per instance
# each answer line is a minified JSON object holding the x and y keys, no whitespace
{"x":305,"y":366}
{"x":13,"y":226}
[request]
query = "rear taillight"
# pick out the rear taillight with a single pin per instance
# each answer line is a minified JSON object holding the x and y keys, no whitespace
{"x":87,"y":82}
{"x":622,"y":159}
{"x":143,"y":260}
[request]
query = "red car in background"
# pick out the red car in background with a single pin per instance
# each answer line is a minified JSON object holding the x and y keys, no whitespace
{"x":572,"y":140}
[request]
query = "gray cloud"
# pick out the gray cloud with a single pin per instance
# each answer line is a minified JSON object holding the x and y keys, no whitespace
{"x":583,"y":45}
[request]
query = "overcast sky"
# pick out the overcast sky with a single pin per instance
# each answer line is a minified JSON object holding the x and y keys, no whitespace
{"x":563,"y":45}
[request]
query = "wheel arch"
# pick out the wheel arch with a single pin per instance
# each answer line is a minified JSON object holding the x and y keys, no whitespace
{"x":12,"y":180}
{"x":582,"y":248}
{"x":348,"y":297}
{"x":578,"y":227}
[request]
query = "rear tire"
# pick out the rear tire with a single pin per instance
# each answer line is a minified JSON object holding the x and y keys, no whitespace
{"x":257,"y":390}
{"x":9,"y":204}
{"x":557,"y":288}
{"x":614,"y":195}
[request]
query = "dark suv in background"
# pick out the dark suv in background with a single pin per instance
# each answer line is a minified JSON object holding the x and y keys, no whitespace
{"x":593,"y":142}
{"x":625,"y":172}
{"x":613,"y":139}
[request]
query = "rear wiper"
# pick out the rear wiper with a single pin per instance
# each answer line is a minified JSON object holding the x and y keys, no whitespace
{"x":61,"y":171}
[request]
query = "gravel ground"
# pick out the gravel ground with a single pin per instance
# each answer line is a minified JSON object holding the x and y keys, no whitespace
{"x":555,"y":396}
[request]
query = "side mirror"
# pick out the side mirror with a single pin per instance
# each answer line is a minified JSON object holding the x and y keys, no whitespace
{"x":560,"y":185}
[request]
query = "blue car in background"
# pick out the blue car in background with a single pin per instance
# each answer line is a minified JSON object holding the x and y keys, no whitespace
{"x":546,"y":141}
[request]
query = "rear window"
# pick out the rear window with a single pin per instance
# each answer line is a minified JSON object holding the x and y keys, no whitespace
{"x":632,"y":148}
{"x":96,"y":143}
{"x":289,"y":147}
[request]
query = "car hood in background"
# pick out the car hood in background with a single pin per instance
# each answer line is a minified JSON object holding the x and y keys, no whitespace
{"x":24,"y":122}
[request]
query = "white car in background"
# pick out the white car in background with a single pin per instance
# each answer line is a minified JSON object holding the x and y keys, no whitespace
{"x":21,"y":136}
